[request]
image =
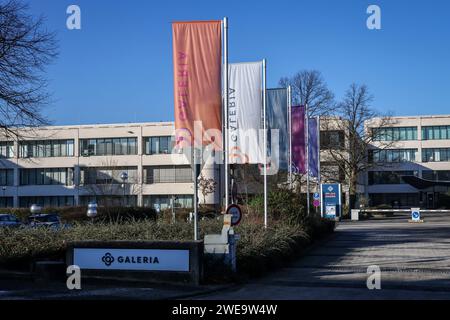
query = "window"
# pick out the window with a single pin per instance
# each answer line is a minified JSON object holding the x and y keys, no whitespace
{"x":436,"y":133}
{"x":435,"y":154}
{"x":108,"y":146}
{"x":6,"y":177}
{"x":164,"y":202}
{"x":158,"y":145}
{"x":394,"y":200}
{"x":6,"y":149}
{"x":439,"y":175}
{"x":110,"y":200}
{"x":389,"y":177}
{"x":46,"y":176}
{"x":107,"y":175}
{"x":395,"y":134}
{"x":6,"y":202}
{"x":50,"y":201}
{"x":332,"y":139}
{"x":167,"y":174}
{"x":392,"y":155}
{"x":46,"y":148}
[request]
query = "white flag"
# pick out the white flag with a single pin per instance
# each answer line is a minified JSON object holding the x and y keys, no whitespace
{"x":244,"y":112}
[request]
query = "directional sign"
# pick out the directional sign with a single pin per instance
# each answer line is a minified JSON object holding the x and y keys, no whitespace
{"x":236,"y":214}
{"x":415,"y":214}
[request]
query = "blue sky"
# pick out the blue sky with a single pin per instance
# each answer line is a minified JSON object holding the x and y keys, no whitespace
{"x":118,"y":67}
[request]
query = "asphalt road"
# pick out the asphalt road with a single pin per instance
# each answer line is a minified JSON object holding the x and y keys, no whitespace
{"x":414,"y":260}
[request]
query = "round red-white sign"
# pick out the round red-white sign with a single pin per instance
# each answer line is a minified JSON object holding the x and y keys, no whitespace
{"x":236,"y":214}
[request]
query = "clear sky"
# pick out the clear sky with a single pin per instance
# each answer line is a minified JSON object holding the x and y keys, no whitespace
{"x":118,"y":67}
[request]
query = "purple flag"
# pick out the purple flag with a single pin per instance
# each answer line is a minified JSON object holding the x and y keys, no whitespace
{"x":298,"y":139}
{"x":313,"y":149}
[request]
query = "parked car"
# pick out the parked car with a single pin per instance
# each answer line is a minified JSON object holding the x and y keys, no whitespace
{"x":9,"y":220}
{"x":51,"y":220}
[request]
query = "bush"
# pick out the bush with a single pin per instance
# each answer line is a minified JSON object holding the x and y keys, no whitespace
{"x":283,"y":204}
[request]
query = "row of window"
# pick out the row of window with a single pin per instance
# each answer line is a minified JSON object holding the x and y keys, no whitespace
{"x":435,"y":154}
{"x":97,"y":175}
{"x":167,"y":174}
{"x":436,"y":133}
{"x":108,"y":175}
{"x":395,"y":177}
{"x":157,"y":202}
{"x":46,"y":148}
{"x":395,"y":134}
{"x":389,"y":177}
{"x":46,"y":176}
{"x":410,"y":133}
{"x":392,"y":155}
{"x":88,"y":147}
{"x":440,"y":175}
{"x":6,"y":149}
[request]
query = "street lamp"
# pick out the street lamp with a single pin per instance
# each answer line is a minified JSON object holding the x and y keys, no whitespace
{"x":124,"y":177}
{"x":92,"y":210}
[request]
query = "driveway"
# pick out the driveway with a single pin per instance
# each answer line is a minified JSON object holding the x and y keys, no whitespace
{"x":414,"y":260}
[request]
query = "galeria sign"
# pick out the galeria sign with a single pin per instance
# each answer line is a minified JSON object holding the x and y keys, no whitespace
{"x":131,"y":259}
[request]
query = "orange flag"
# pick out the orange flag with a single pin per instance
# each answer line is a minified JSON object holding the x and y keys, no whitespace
{"x":197,"y":53}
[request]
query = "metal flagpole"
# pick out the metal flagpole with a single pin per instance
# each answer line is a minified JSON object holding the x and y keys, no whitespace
{"x":290,"y":134}
{"x":319,"y":178}
{"x":265,"y":143}
{"x":225,"y":62}
{"x":194,"y":172}
{"x":307,"y":158}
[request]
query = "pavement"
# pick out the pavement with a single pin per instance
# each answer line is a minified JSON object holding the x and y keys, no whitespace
{"x":414,"y":260}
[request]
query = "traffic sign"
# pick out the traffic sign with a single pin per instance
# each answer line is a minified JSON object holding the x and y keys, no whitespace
{"x":236,"y":214}
{"x":316,"y":196}
{"x":415,"y":214}
{"x":316,"y":203}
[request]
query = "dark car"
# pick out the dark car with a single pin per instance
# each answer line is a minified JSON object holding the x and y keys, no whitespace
{"x":44,"y":220}
{"x":9,"y":220}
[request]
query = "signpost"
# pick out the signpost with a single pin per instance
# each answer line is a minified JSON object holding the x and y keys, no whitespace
{"x":331,"y":200}
{"x":415,"y":215}
{"x":316,"y":199}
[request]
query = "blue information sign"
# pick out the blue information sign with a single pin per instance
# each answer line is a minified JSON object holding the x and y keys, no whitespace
{"x":331,"y":200}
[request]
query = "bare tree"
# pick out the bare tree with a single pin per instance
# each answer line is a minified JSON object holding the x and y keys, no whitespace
{"x":206,"y":186}
{"x":309,"y":88}
{"x":26,"y":48}
{"x":353,"y":156}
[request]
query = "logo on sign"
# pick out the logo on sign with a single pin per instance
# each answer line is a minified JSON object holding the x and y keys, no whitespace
{"x":108,"y":259}
{"x":330,"y":188}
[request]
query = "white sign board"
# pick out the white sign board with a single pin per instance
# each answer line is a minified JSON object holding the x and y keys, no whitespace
{"x":330,"y":211}
{"x":415,"y":214}
{"x":132,"y":259}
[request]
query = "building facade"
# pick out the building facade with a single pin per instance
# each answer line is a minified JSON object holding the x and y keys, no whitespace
{"x":415,"y":147}
{"x":119,"y":164}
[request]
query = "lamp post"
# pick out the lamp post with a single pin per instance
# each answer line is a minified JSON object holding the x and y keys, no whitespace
{"x":92,"y":210}
{"x":124,"y":177}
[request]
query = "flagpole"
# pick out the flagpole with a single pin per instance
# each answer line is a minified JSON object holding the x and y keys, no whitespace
{"x":319,"y":178}
{"x":265,"y":142}
{"x":290,"y":135}
{"x":307,"y":159}
{"x":225,"y":62}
